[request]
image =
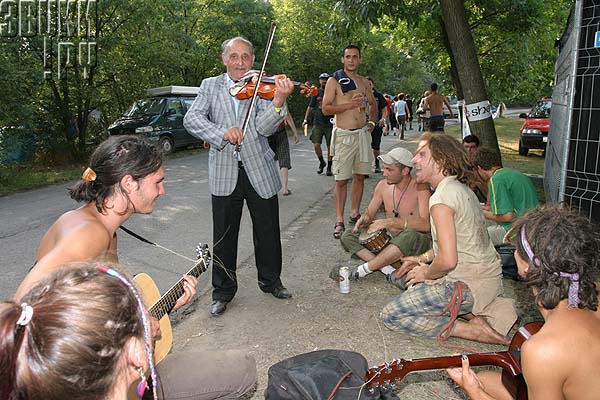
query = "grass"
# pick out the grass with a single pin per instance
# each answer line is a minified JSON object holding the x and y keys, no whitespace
{"x":507,"y":131}
{"x":30,"y":175}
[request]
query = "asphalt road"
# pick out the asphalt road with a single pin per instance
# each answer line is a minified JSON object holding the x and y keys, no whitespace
{"x":181,"y":219}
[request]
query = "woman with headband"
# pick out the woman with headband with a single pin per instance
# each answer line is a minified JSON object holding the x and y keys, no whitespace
{"x":56,"y":344}
{"x":557,"y":251}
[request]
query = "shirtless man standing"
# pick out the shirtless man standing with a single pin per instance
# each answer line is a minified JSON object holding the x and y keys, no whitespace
{"x":406,"y":219}
{"x":126,"y":177}
{"x":435,"y":104}
{"x":346,"y":97}
{"x":556,"y":252}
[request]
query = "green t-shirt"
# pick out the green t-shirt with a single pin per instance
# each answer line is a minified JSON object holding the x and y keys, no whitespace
{"x":510,"y":190}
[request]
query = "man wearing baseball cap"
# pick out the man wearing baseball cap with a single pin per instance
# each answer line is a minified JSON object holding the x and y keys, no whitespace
{"x":406,"y":220}
{"x":321,"y":125}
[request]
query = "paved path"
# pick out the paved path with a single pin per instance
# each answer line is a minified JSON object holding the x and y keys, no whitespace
{"x":317,"y":317}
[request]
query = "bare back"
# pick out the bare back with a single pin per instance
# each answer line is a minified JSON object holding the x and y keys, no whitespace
{"x":435,"y":103}
{"x":76,"y":236}
{"x":561,"y":360}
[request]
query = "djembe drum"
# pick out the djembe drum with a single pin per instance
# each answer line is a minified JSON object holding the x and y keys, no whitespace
{"x":376,"y":241}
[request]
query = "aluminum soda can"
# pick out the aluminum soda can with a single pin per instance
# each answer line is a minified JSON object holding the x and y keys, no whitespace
{"x":345,"y":280}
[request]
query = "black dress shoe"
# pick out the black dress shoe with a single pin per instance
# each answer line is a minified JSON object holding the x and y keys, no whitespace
{"x":218,"y":307}
{"x":281,"y":293}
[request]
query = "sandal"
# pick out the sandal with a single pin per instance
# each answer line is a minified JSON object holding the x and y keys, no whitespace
{"x":338,"y":229}
{"x":354,"y":220}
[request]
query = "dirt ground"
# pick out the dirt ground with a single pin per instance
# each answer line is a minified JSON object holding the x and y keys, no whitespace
{"x":319,"y":316}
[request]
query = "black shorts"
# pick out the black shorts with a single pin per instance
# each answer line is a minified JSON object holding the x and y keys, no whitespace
{"x":436,"y":123}
{"x":376,"y":137}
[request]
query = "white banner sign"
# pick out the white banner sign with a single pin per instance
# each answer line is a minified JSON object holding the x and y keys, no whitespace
{"x":478,"y":111}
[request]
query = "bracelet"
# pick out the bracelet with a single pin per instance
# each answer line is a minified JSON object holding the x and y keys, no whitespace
{"x":371,"y":123}
{"x":426,"y":256}
{"x":277,"y":110}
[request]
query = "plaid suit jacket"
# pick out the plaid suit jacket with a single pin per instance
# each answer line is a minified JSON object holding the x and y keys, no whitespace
{"x":211,"y":114}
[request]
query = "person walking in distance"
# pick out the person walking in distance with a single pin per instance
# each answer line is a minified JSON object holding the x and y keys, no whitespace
{"x":377,"y":131}
{"x":409,"y":104}
{"x":347,"y":95}
{"x":241,"y":168}
{"x":402,"y":113}
{"x":435,"y":104}
{"x":321,"y":125}
{"x":280,"y":145}
{"x":424,"y":114}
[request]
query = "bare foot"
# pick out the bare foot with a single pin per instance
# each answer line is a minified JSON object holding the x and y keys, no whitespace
{"x":487,"y":333}
{"x":479,"y":330}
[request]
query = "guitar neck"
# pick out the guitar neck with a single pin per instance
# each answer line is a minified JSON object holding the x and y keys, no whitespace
{"x":500,"y":359}
{"x":166,"y":302}
{"x":398,"y":369}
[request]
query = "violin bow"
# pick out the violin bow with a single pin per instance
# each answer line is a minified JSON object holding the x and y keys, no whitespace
{"x":262,"y":71}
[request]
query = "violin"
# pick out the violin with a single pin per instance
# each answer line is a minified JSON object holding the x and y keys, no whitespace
{"x":246,"y":86}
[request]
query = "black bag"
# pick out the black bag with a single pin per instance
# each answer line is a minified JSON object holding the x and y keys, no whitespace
{"x":509,"y":264}
{"x":315,"y":375}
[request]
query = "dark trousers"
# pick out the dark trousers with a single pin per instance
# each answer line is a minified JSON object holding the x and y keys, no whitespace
{"x":227,"y":214}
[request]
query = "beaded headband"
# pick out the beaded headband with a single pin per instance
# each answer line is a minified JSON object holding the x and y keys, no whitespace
{"x":573,"y":299}
{"x":145,"y":323}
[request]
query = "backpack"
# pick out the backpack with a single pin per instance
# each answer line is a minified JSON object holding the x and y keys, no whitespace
{"x":315,"y":375}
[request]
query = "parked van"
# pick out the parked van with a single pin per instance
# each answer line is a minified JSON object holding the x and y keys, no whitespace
{"x":160,"y":117}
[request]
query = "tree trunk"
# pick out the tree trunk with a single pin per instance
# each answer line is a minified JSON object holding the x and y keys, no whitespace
{"x":467,"y":65}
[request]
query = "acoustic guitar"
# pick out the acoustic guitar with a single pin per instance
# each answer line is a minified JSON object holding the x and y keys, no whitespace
{"x":389,"y":375}
{"x":160,"y":306}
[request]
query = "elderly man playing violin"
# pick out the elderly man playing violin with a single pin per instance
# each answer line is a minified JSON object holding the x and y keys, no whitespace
{"x":241,"y":167}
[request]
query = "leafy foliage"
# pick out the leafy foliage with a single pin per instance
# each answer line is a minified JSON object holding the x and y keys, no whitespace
{"x":146,"y":44}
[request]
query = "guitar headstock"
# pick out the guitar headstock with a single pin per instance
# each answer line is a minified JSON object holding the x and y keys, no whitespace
{"x":308,"y":89}
{"x":204,"y":257}
{"x":387,"y":374}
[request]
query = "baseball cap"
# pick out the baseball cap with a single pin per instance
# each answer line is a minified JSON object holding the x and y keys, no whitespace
{"x":324,"y":75}
{"x":399,"y":155}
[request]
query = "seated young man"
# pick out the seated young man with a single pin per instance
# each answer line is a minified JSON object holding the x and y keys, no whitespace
{"x":462,"y":264}
{"x":557,"y":250}
{"x":510,"y":193}
{"x":406,"y":218}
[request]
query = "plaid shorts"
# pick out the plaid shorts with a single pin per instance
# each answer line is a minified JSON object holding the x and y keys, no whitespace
{"x":416,"y":312}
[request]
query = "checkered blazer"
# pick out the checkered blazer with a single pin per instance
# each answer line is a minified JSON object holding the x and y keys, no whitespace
{"x":211,"y":114}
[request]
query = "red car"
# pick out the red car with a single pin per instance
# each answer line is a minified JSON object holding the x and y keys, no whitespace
{"x":534,"y":131}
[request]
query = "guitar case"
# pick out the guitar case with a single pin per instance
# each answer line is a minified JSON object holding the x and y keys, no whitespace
{"x":315,"y":375}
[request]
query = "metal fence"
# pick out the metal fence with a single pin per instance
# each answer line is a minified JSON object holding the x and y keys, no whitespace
{"x":571,"y":173}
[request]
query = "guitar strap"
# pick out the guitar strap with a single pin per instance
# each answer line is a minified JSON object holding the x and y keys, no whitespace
{"x":138,"y":237}
{"x":453,"y":308}
{"x":143,"y":239}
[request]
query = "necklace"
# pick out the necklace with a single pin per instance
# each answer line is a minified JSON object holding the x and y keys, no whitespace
{"x":395,"y":210}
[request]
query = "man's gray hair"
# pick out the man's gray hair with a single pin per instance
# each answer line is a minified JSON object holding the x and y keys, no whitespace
{"x":240,"y":38}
